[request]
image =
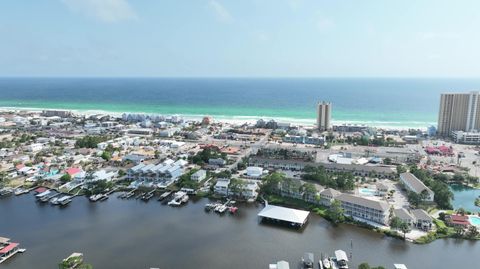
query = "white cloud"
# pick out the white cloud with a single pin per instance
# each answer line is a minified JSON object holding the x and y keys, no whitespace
{"x":325,"y":24}
{"x":104,"y":10}
{"x":220,"y":11}
{"x":443,"y":35}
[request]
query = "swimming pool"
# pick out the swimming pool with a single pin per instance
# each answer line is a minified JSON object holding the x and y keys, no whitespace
{"x":367,"y":192}
{"x":474,"y":220}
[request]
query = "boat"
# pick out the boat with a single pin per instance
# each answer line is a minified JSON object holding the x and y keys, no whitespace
{"x":341,"y":259}
{"x":220,"y":209}
{"x":147,"y":196}
{"x":174,"y":203}
{"x":8,"y":249}
{"x":46,"y":198}
{"x":320,"y":264}
{"x":98,"y":197}
{"x":54,"y":201}
{"x":20,"y":191}
{"x":40,"y":195}
{"x":6,"y":191}
{"x":308,"y":260}
{"x":65,"y":200}
{"x":178,"y":198}
{"x":233,"y":209}
{"x":164,"y":195}
{"x":326,"y":263}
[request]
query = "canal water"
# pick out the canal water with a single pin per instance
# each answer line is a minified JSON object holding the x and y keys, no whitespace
{"x":464,"y":197}
{"x":132,"y":234}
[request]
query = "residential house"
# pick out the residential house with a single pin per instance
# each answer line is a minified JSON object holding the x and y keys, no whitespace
{"x":221,"y":187}
{"x":364,"y":209}
{"x":422,"y":219}
{"x":413,"y":184}
{"x":405,"y":216}
{"x":327,"y":196}
{"x":199,"y":175}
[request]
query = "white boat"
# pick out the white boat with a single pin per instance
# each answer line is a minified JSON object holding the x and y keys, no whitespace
{"x":65,"y":200}
{"x":98,"y":197}
{"x":6,"y":191}
{"x":20,"y":191}
{"x":54,"y":201}
{"x":326,"y":263}
{"x":320,"y":264}
{"x":178,"y":198}
{"x":174,"y":203}
{"x":45,"y":193}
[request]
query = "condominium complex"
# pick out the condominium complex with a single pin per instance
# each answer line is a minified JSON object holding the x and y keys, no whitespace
{"x":324,"y":114}
{"x":458,"y":112}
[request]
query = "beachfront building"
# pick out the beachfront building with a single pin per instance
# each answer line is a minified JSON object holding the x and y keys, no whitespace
{"x":458,"y":112}
{"x":303,"y":139}
{"x":199,"y":175}
{"x":462,"y":137}
{"x":324,"y":115}
{"x":364,"y":209}
{"x":413,"y":184}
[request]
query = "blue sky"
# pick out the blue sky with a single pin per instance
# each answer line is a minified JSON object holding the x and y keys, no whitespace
{"x":251,"y":38}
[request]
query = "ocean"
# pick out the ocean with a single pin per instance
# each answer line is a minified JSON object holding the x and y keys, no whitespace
{"x":386,"y":102}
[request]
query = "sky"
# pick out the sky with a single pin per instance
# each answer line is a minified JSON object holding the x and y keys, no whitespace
{"x":240,"y":38}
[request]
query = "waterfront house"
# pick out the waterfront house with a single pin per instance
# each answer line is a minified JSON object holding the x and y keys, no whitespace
{"x":163,"y":174}
{"x":221,"y":187}
{"x":291,"y":188}
{"x":327,"y":196}
{"x":422,"y":219}
{"x":413,"y":184}
{"x":199,"y":175}
{"x":458,"y":221}
{"x":364,"y":209}
{"x":404,"y":215}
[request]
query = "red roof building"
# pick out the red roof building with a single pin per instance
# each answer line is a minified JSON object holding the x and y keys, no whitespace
{"x":73,"y":171}
{"x":459,"y":220}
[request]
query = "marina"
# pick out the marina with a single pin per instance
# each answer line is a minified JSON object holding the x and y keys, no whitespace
{"x":256,"y":245}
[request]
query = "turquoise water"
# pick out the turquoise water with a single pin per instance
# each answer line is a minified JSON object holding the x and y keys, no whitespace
{"x":367,"y":192}
{"x":377,"y":102}
{"x":465,"y":197}
{"x":474,"y":220}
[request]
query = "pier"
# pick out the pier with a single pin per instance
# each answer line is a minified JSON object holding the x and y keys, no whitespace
{"x":293,"y":217}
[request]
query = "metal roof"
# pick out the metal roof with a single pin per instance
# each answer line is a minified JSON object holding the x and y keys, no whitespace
{"x":284,"y":214}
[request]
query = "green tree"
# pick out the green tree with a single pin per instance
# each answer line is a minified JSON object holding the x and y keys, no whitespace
{"x":335,"y":212}
{"x":66,"y":178}
{"x":472,"y":232}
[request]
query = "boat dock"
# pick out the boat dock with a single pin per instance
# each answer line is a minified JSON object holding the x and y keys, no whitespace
{"x":8,"y":249}
{"x":148,"y":195}
{"x":279,"y":214}
{"x":164,"y":195}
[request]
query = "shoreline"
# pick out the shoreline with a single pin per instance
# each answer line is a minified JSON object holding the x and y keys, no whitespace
{"x":234,"y":119}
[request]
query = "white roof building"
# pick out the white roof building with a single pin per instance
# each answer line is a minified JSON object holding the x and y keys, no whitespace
{"x":294,"y":216}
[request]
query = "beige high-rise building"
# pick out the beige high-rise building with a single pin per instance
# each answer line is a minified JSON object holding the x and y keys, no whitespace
{"x":458,"y":112}
{"x":324,"y":115}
